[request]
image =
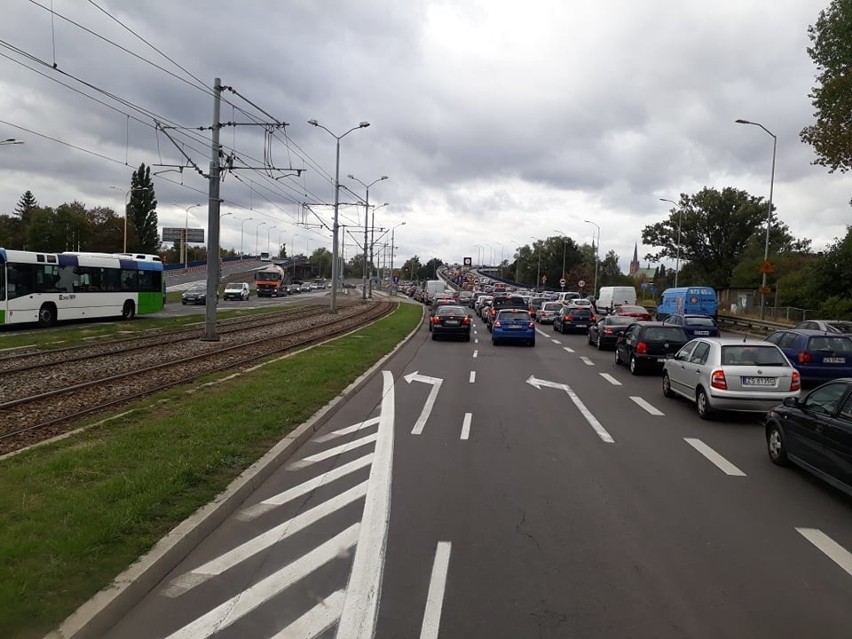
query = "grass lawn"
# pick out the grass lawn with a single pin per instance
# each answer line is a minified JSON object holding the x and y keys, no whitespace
{"x":78,"y":512}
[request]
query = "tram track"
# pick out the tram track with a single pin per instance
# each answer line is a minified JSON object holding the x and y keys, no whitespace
{"x":35,"y":416}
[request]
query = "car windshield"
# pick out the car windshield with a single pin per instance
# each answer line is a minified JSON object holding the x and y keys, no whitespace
{"x":830,"y":344}
{"x":197,"y":289}
{"x":752,"y":355}
{"x":234,"y":287}
{"x":699,"y":321}
{"x":840,"y":327}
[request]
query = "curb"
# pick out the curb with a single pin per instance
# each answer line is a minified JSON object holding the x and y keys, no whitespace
{"x":100,"y":613}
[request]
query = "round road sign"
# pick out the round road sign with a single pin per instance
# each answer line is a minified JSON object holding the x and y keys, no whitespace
{"x":581,"y":283}
{"x":562,"y":282}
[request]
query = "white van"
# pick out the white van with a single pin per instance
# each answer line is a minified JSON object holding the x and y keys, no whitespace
{"x":612,"y":296}
{"x":566,"y":296}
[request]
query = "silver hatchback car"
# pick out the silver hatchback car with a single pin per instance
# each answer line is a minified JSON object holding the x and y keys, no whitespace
{"x":728,"y":374}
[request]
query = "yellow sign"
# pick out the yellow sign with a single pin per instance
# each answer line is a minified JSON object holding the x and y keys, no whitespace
{"x":765,"y":290}
{"x":766,"y":267}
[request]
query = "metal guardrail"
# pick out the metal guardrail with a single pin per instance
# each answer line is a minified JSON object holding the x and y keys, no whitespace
{"x":753,"y":326}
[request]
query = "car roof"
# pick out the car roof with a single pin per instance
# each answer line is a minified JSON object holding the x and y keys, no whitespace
{"x":733,"y":341}
{"x":810,"y":332}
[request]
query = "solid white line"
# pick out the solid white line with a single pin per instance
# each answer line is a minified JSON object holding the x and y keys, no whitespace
{"x":331,"y":452}
{"x":253,"y":512}
{"x":555,"y":341}
{"x":346,"y":431}
{"x":567,"y":349}
{"x":586,"y":360}
{"x":316,"y":621}
{"x":720,"y":462}
{"x":360,"y":610}
{"x":472,"y":378}
{"x":594,"y":423}
{"x":610,"y":379}
{"x":265,"y":540}
{"x":465,"y":432}
{"x":648,"y":407}
{"x":834,"y":551}
{"x":475,"y":353}
{"x":435,"y":598}
{"x":244,"y":602}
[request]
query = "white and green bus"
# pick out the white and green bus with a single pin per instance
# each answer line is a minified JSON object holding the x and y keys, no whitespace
{"x":49,"y":287}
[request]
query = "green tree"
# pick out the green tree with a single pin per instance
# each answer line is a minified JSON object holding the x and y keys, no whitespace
{"x":107,"y":230}
{"x":43,"y":232}
{"x":25,"y":207}
{"x":321,"y":260}
{"x":716,"y":228}
{"x":831,"y":50}
{"x":833,"y":271}
{"x":430,"y":268}
{"x":142,"y":212}
{"x":13,"y":233}
{"x":411,"y":269}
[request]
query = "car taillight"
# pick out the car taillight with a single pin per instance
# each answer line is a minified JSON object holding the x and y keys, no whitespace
{"x":497,"y":324}
{"x":795,"y":381}
{"x":531,"y":325}
{"x":466,"y":320}
{"x":804,"y":357}
{"x":436,"y":320}
{"x":569,"y":317}
{"x":608,"y":331}
{"x":717,"y":380}
{"x":641,"y":347}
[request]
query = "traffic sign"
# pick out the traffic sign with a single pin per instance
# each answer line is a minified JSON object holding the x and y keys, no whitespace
{"x":562,"y":282}
{"x":581,"y":283}
{"x":468,"y":261}
{"x":765,"y":290}
{"x":766,"y":267}
{"x":644,"y":284}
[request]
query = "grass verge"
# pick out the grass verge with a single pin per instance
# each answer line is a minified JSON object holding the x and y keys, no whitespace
{"x":78,"y":512}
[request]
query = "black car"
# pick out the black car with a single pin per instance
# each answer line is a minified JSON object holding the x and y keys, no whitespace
{"x":605,"y":332}
{"x":815,"y":432}
{"x":573,"y":319}
{"x":451,"y":321}
{"x":196,"y":294}
{"x":647,"y":345}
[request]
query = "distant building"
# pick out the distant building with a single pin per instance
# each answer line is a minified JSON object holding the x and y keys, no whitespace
{"x":637,"y":271}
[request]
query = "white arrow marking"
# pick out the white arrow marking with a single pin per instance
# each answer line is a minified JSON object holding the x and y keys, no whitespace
{"x":430,"y":401}
{"x":593,"y":422}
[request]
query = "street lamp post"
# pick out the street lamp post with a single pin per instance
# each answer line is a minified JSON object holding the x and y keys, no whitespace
{"x":185,"y":259}
{"x":293,"y":250}
{"x":126,"y":203}
{"x":372,"y":249}
{"x":391,"y":283}
{"x":768,"y":216}
{"x":257,"y":238}
{"x":334,"y":248}
{"x":242,"y":226}
{"x":268,"y":232}
{"x":538,"y":271}
{"x":679,"y":221}
{"x":9,"y":141}
{"x":597,"y":255}
{"x":564,"y":244}
{"x":366,"y":217}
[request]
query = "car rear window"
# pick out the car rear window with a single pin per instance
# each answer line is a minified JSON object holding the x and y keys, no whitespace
{"x":578,"y":312}
{"x":451,"y":310}
{"x":752,"y":355}
{"x":552,"y":306}
{"x":700,"y":321}
{"x":511,"y":302}
{"x":662,"y":333}
{"x":840,"y":327}
{"x":513,"y":315}
{"x":836,"y":344}
{"x":618,"y":321}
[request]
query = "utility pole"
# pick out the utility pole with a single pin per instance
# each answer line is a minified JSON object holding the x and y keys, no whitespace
{"x":213,"y":266}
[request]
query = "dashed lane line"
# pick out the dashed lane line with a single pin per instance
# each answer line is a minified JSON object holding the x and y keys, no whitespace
{"x":567,"y":349}
{"x":834,"y":551}
{"x":586,"y":360}
{"x":646,"y":406}
{"x":715,"y":458}
{"x":472,"y":377}
{"x":435,"y":597}
{"x":610,"y":379}
{"x":465,"y":432}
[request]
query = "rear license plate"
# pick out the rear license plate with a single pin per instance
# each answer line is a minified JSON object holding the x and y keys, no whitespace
{"x":758,"y":381}
{"x":581,"y":325}
{"x":833,"y":360}
{"x":702,"y":332}
{"x":451,"y":323}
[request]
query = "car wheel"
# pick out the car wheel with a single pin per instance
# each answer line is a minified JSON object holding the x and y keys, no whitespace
{"x":667,"y":386}
{"x":617,"y":357}
{"x":129,"y":310}
{"x":702,"y":404}
{"x":634,"y":365}
{"x":775,"y":445}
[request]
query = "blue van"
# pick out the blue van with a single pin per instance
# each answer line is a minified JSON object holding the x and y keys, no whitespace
{"x":698,"y":300}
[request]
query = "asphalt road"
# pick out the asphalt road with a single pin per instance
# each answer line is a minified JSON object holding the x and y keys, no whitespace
{"x":464,"y":501}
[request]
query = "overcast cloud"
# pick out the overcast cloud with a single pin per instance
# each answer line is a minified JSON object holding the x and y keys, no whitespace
{"x":495,"y":121}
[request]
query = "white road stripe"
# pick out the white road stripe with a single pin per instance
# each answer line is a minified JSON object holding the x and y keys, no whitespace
{"x":610,"y":379}
{"x":586,"y":360}
{"x":476,"y":341}
{"x":465,"y":432}
{"x":472,"y":378}
{"x":265,"y":540}
{"x":346,"y":431}
{"x":541,"y":332}
{"x":437,"y":585}
{"x":648,"y":407}
{"x":316,"y":621}
{"x":567,"y":349}
{"x":720,"y":462}
{"x":244,"y":602}
{"x":594,"y":423}
{"x":331,"y":452}
{"x":834,"y":551}
{"x":475,"y":353}
{"x":555,"y":341}
{"x":253,"y":512}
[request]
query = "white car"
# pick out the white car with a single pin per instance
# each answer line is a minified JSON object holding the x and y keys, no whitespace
{"x":580,"y":303}
{"x":237,"y":291}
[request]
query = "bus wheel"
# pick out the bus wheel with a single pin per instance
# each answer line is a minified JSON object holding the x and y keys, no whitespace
{"x":129,"y":310}
{"x":47,"y":315}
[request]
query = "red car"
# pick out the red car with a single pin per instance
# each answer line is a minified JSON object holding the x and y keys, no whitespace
{"x":639,"y":312}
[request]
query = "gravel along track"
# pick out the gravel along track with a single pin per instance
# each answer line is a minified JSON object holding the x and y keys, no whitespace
{"x":34,"y":410}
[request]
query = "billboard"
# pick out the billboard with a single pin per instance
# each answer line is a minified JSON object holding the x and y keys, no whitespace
{"x":193,"y":236}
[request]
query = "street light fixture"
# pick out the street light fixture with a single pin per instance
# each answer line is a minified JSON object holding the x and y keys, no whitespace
{"x":765,"y":265}
{"x":679,"y":221}
{"x":366,"y":217}
{"x":597,"y":255}
{"x":334,"y":248}
{"x":10,"y":141}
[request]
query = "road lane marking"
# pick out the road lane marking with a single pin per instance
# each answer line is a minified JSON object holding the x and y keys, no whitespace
{"x":476,"y":341}
{"x":541,"y":332}
{"x":593,"y":422}
{"x":465,"y":432}
{"x":437,"y":585}
{"x":555,"y":341}
{"x":332,"y":452}
{"x":475,"y":353}
{"x":436,"y":383}
{"x":253,"y":512}
{"x":267,"y":539}
{"x":472,"y":378}
{"x":567,"y":349}
{"x":360,"y":609}
{"x":720,"y":462}
{"x":244,"y":602}
{"x":317,"y":620}
{"x":346,"y":431}
{"x":610,"y":379}
{"x":648,"y":407}
{"x":586,"y":360}
{"x":834,"y":551}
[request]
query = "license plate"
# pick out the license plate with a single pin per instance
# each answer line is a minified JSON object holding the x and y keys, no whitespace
{"x":581,"y":325}
{"x":451,"y":322}
{"x":702,"y":332}
{"x":833,"y":360}
{"x":662,"y":359}
{"x":758,"y":381}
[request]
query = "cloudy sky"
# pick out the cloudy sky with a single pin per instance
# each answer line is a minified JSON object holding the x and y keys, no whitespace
{"x":496,"y":121}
